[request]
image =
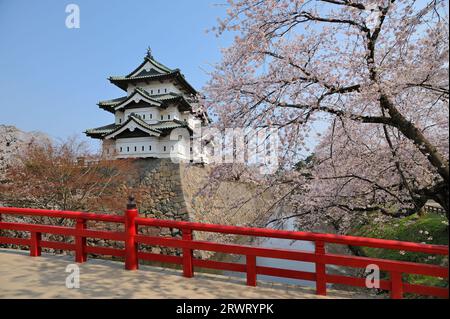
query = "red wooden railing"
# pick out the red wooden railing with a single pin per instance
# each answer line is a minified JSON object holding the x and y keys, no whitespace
{"x":320,"y":257}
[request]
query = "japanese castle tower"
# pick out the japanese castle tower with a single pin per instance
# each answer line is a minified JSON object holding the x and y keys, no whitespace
{"x":155,"y":118}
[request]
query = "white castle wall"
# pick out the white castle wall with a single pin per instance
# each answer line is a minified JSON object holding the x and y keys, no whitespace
{"x":155,"y":88}
{"x":150,"y":115}
{"x":153,"y":114}
{"x":150,"y":146}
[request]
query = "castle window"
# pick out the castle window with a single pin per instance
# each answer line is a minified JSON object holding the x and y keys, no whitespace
{"x":168,"y":117}
{"x":149,"y":147}
{"x":120,"y":121}
{"x":128,"y":149}
{"x":143,"y":116}
{"x":165,"y":148}
{"x":162,"y":117}
{"x":135,"y":148}
{"x":121,"y":149}
{"x":151,"y":115}
{"x":151,"y":91}
{"x":180,"y":137}
{"x":143,"y":148}
{"x":165,"y":90}
{"x":159,"y":91}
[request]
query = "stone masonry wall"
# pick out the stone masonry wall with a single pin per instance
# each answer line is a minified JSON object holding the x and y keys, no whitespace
{"x":175,"y":192}
{"x":165,"y":198}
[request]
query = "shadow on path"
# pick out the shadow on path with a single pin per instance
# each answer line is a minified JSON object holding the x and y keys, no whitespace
{"x":22,"y":276}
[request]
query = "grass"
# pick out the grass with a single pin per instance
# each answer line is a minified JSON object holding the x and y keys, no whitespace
{"x":430,"y":228}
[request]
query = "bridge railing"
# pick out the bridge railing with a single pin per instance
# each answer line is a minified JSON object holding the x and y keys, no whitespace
{"x":132,"y":254}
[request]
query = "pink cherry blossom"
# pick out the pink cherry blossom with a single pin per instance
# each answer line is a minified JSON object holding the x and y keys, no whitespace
{"x":376,"y":71}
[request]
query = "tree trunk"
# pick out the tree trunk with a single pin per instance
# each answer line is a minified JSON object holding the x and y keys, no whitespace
{"x":414,"y":134}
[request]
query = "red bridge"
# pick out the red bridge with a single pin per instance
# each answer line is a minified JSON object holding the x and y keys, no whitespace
{"x":320,"y":257}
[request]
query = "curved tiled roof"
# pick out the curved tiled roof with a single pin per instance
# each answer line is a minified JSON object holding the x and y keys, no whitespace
{"x":158,"y":97}
{"x":159,"y":73}
{"x":141,"y":77}
{"x":163,"y":125}
{"x":158,"y":128}
{"x":137,"y":120}
{"x":103,"y":129}
{"x":152,"y":61}
{"x":113,"y":101}
{"x":162,"y":99}
{"x":122,"y":81}
{"x":143,"y":93}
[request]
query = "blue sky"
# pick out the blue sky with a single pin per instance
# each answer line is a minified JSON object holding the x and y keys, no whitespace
{"x":51,"y":77}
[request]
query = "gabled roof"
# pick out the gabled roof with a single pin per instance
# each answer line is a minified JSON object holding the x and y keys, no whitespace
{"x":122,"y":82}
{"x":158,"y":129}
{"x":102,"y":130}
{"x":131,"y":124}
{"x":160,"y":100}
{"x":169,"y":124}
{"x":151,"y":70}
{"x":137,"y":96}
{"x":158,"y":67}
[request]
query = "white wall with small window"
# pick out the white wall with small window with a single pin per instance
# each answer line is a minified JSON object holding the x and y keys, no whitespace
{"x":155,"y":88}
{"x":170,"y":113}
{"x":148,"y":114}
{"x":151,"y":146}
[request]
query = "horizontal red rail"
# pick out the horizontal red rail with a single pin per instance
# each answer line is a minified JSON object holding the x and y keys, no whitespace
{"x":61,"y":214}
{"x":351,"y":261}
{"x":132,"y":254}
{"x":297,"y":235}
{"x":237,"y":230}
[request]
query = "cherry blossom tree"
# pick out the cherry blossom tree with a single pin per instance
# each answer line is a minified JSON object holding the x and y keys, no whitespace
{"x":68,"y":176}
{"x":375,"y":70}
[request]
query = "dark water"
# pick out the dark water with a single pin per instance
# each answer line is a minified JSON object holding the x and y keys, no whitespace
{"x":281,"y":263}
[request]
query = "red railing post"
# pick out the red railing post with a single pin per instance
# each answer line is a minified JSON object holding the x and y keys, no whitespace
{"x":251,"y":270}
{"x":131,"y":259}
{"x":188,"y":265}
{"x":396,"y":285}
{"x":80,"y":242}
{"x":321,"y":281}
{"x":35,"y":247}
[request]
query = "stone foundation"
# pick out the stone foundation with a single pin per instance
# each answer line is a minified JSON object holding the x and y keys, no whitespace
{"x":175,"y":192}
{"x":164,"y":198}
